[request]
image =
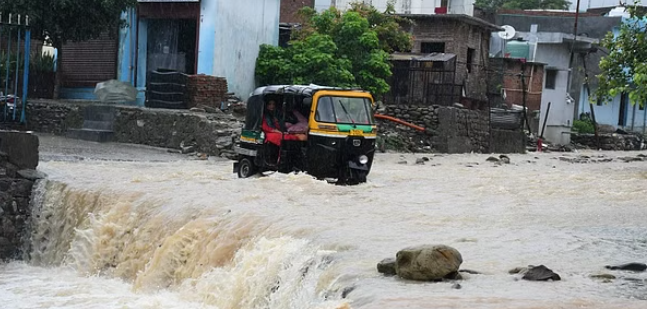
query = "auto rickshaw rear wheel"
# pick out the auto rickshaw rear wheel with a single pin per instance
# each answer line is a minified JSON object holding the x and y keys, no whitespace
{"x":246,"y":168}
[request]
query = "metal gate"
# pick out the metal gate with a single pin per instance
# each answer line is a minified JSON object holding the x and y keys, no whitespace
{"x":15,"y":39}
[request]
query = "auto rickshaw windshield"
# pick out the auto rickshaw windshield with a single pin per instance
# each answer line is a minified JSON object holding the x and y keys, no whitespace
{"x":336,"y":109}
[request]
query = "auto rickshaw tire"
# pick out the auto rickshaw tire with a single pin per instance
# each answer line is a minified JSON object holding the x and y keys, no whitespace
{"x":246,"y":168}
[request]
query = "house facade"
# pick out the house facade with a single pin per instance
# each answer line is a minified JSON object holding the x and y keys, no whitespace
{"x":216,"y":38}
{"x":408,"y":6}
{"x":466,"y":37}
{"x":620,"y":112}
{"x":554,"y":37}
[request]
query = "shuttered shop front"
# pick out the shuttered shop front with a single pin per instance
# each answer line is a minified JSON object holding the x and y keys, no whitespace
{"x":84,"y":64}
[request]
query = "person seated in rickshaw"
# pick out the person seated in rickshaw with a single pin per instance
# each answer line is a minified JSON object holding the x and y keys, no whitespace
{"x":275,"y":129}
{"x":295,"y":122}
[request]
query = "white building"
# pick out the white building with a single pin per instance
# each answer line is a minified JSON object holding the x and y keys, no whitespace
{"x":408,"y":6}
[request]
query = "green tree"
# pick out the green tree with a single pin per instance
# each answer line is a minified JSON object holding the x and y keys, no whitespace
{"x":60,"y":21}
{"x":624,"y":69}
{"x":349,"y":49}
{"x":491,"y":6}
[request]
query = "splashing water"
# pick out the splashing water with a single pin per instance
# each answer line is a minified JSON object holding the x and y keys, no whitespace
{"x":188,"y":234}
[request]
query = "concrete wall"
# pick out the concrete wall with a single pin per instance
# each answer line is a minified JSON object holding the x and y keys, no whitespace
{"x":240,"y":27}
{"x":562,"y":112}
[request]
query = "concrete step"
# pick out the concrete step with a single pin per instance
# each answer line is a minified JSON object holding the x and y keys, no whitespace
{"x":98,"y":125}
{"x":100,"y":136}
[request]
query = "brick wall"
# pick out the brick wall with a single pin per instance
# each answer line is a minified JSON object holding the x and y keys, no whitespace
{"x":290,"y":8}
{"x":458,"y":36}
{"x":205,"y":90}
{"x":511,"y":81}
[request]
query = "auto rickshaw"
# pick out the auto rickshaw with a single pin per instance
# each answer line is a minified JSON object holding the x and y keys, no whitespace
{"x":340,"y":133}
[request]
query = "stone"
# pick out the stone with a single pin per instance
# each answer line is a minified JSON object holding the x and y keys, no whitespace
{"x":427,"y":262}
{"x":32,"y":175}
{"x":628,"y":266}
{"x":540,"y":273}
{"x":504,"y":159}
{"x":456,"y":286}
{"x":21,"y":149}
{"x":603,"y":276}
{"x":492,"y":159}
{"x":402,"y":162}
{"x":387,"y":267}
{"x":22,"y":187}
{"x":420,"y":161}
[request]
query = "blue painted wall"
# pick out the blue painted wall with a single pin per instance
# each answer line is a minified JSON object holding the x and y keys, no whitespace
{"x":609,"y":113}
{"x":229,"y":37}
{"x":240,"y":27}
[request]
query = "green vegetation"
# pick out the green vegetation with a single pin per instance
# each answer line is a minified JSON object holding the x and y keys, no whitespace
{"x":349,"y":49}
{"x":624,"y":69}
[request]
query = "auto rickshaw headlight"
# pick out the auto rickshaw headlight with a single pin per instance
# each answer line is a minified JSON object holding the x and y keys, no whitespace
{"x":363,"y":159}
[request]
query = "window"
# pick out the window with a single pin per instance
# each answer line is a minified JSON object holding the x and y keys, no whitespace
{"x":432,"y":47}
{"x":470,"y":59}
{"x":551,"y":79}
{"x":599,"y":102}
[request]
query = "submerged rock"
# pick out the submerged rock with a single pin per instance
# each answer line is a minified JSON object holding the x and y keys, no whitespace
{"x":387,"y":267}
{"x":427,"y":262}
{"x":628,"y":266}
{"x":540,"y":273}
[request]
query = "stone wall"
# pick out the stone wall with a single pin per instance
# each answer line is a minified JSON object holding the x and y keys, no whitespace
{"x":447,"y":129}
{"x":17,"y":176}
{"x":609,"y":141}
{"x":211,"y":133}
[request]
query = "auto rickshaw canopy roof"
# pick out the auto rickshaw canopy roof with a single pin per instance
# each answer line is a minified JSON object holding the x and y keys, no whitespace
{"x":304,"y":90}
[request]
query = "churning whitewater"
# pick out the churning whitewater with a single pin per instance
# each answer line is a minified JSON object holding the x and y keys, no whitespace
{"x":178,"y":233}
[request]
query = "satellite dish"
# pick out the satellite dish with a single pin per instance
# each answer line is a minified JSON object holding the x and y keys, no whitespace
{"x":507,"y":33}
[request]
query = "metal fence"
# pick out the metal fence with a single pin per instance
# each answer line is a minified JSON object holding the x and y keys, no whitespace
{"x":424,"y":83}
{"x":15,"y":40}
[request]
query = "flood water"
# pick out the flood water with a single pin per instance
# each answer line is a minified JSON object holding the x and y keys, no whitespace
{"x":170,"y":232}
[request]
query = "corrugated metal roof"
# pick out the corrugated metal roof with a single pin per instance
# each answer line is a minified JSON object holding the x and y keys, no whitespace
{"x":423,"y":57}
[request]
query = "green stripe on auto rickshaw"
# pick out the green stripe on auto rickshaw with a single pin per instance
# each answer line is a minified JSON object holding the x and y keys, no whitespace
{"x":348,"y":127}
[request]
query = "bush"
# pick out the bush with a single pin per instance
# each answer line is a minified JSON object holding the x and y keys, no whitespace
{"x":583,"y":126}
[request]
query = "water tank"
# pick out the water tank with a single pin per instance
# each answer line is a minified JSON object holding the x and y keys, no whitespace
{"x":517,"y":49}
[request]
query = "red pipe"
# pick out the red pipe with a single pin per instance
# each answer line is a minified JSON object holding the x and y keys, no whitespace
{"x":411,"y":125}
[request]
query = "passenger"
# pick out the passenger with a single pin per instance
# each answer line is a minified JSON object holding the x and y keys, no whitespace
{"x":295,"y":121}
{"x":275,"y":130}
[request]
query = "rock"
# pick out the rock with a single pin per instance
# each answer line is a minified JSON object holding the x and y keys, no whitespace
{"x":454,"y":276}
{"x":427,"y":262}
{"x":402,"y":162}
{"x":518,"y":270}
{"x":504,"y":159}
{"x":492,"y":159}
{"x":628,"y":266}
{"x":469,"y":271}
{"x":387,"y":267}
{"x":198,"y":110}
{"x":456,"y":286}
{"x":540,"y":273}
{"x":32,"y":175}
{"x":420,"y":161}
{"x":603,"y":276}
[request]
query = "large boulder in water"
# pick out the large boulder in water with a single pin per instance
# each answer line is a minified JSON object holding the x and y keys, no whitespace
{"x":427,"y":262}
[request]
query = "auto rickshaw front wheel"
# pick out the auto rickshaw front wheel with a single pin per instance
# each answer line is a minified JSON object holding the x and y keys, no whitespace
{"x":246,"y":168}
